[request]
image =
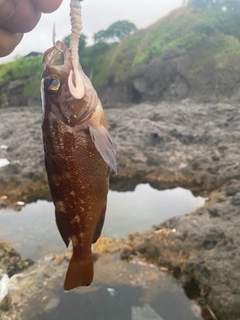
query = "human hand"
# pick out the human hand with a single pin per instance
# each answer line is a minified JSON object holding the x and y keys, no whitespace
{"x":18,"y":17}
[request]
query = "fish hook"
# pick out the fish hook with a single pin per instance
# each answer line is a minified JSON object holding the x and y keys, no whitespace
{"x":54,"y":38}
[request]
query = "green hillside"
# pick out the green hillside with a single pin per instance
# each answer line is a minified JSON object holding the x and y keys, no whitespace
{"x":186,"y":28}
{"x":28,"y":70}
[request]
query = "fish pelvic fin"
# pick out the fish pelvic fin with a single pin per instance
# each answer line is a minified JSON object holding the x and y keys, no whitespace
{"x":80,"y":271}
{"x":104,"y":144}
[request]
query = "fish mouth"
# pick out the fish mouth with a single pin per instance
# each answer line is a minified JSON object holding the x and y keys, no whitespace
{"x":76,"y":78}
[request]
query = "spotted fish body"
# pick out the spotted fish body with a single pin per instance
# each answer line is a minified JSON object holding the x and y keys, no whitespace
{"x":78,"y":155}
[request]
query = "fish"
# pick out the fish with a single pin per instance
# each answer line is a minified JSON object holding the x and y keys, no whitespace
{"x":79,"y":152}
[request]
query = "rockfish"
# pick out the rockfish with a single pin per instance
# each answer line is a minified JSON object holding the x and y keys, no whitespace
{"x":78,"y":150}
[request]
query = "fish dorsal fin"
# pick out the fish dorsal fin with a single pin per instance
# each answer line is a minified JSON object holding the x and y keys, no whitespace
{"x":103,"y":143}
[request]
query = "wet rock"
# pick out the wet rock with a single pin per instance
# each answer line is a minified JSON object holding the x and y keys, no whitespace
{"x":105,"y":245}
{"x":232,"y":190}
{"x":195,"y":146}
{"x":5,"y":303}
{"x":166,"y":145}
{"x":12,"y":94}
{"x":58,"y":259}
{"x":236,"y":199}
{"x":212,"y":170}
{"x":126,"y":253}
{"x":3,"y":203}
{"x":11,"y":262}
{"x":213,"y":211}
{"x":235,"y":304}
{"x":68,"y":254}
{"x":215,"y":158}
{"x":13,"y":168}
{"x":155,"y":138}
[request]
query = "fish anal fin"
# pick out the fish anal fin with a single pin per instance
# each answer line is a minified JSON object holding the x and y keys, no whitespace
{"x":80,"y":271}
{"x":62,"y":226}
{"x":98,"y":230}
{"x":103,"y":143}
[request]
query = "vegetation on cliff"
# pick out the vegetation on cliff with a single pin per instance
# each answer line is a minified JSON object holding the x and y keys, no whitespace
{"x":28,"y":70}
{"x":107,"y":61}
{"x":187,"y":28}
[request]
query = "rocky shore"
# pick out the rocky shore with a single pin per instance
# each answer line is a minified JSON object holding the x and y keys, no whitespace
{"x":195,"y":146}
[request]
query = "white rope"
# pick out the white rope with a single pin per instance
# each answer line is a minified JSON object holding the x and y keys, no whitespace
{"x":77,"y":91}
{"x":76,"y":23}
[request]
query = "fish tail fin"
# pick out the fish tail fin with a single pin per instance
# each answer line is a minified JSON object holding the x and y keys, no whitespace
{"x":80,"y":271}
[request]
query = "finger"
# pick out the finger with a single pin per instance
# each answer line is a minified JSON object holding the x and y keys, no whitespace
{"x":9,"y":41}
{"x":24,"y":18}
{"x":6,"y":9}
{"x":47,"y":6}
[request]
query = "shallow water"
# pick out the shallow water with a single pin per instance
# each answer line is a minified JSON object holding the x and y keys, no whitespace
{"x":33,"y":232}
{"x":119,"y":303}
{"x":140,"y":210}
{"x":120,"y":291}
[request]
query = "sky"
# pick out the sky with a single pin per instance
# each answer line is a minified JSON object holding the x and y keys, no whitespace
{"x":97,"y":15}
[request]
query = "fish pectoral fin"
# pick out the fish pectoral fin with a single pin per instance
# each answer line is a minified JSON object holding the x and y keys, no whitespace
{"x":103,"y":143}
{"x":62,"y":226}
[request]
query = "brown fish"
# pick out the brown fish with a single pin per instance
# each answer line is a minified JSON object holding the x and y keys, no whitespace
{"x":78,"y":153}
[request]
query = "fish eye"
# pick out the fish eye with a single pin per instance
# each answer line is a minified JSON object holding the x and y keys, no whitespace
{"x":52,"y":84}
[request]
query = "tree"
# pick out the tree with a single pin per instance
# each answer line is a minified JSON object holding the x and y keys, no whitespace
{"x":115,"y":32}
{"x":100,"y":36}
{"x":120,"y":29}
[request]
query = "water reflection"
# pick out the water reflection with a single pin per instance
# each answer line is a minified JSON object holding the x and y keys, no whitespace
{"x":33,"y":232}
{"x":98,"y":305}
{"x":148,"y":295}
{"x":127,"y":303}
{"x":141,"y":209}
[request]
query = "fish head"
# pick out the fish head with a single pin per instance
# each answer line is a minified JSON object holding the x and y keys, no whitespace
{"x":66,"y":88}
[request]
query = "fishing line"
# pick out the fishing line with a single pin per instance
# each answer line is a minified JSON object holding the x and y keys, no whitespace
{"x":18,"y":4}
